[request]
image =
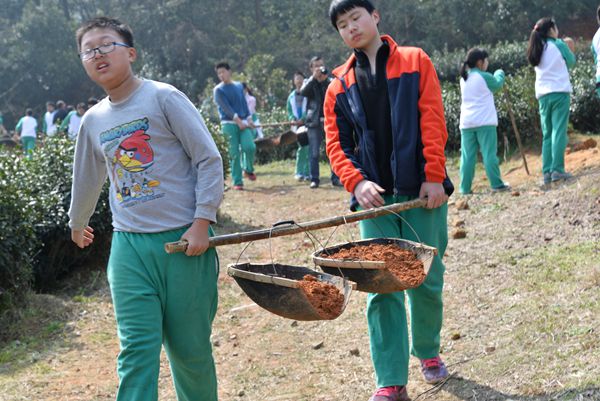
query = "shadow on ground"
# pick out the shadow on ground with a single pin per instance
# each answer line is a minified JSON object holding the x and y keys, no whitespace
{"x":469,"y":390}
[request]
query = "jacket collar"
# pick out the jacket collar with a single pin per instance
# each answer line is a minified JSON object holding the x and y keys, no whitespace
{"x":342,"y":70}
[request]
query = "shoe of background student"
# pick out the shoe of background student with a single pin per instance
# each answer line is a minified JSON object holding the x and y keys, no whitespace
{"x":314,"y":185}
{"x":299,"y":177}
{"x":503,"y":188}
{"x":434,"y":370}
{"x":556,"y":176}
{"x":250,"y":176}
{"x":336,"y":182}
{"x":238,"y":187}
{"x":547,"y":179}
{"x":392,"y":393}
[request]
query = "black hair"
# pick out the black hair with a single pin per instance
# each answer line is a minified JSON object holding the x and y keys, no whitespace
{"x":60,"y":103}
{"x":50,"y":103}
{"x":82,"y":105}
{"x":245,"y":86}
{"x":339,"y":7}
{"x":123,"y":30}
{"x":92,"y":101}
{"x":473,"y":56}
{"x":29,"y":112}
{"x":298,"y":72}
{"x":223,"y":64}
{"x":313,"y":59}
{"x":538,"y":38}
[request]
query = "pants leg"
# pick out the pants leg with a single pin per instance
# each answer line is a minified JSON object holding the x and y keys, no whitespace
{"x":386,"y":316}
{"x":135,"y":286}
{"x":28,"y":143}
{"x":468,"y":159}
{"x":426,"y":304}
{"x":560,"y":121}
{"x":232,"y":133}
{"x":191,"y":304}
{"x":487,"y":137}
{"x":315,"y":137}
{"x":545,"y":106}
{"x":248,"y":149}
{"x":302,"y":168}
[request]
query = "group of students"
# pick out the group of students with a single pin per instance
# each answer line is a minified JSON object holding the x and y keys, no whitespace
{"x":241,"y":126}
{"x":552,"y":58}
{"x":58,"y":118}
{"x":385,"y":133}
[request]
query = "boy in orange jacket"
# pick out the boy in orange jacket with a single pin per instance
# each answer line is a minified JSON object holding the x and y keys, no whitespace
{"x":386,"y":133}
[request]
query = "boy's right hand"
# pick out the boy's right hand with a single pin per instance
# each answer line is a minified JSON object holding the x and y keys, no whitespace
{"x":83,"y":237}
{"x":368,"y":194}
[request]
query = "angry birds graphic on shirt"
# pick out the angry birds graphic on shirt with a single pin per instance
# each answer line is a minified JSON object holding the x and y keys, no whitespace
{"x":134,"y":154}
{"x":128,"y":148}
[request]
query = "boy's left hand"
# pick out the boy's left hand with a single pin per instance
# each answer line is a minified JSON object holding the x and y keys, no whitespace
{"x":435,"y":194}
{"x":197,"y":237}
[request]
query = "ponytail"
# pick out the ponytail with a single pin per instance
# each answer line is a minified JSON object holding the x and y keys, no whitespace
{"x":537,"y":40}
{"x":473,"y":56}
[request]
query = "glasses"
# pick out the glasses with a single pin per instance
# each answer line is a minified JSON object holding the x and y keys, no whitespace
{"x":106,"y":48}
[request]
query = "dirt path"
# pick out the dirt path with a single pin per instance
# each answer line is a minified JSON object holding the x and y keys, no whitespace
{"x":521,"y":320}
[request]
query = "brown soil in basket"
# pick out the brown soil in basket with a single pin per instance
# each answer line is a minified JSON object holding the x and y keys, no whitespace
{"x":402,"y":263}
{"x":326,"y":298}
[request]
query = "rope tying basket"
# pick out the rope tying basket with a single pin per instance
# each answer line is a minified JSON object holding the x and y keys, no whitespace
{"x":293,"y":292}
{"x":377,"y":276}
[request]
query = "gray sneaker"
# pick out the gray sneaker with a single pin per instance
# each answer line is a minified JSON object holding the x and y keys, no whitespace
{"x":547,"y":179}
{"x":556,"y":176}
{"x":503,"y":188}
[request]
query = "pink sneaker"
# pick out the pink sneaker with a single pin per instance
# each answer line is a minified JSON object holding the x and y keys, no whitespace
{"x":250,"y":176}
{"x":434,"y":370}
{"x":238,"y":187}
{"x":391,"y":393}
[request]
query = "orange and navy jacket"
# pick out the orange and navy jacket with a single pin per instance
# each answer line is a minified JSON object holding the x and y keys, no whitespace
{"x":418,"y":126}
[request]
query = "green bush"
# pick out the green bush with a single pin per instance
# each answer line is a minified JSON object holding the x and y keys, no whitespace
{"x":510,"y":56}
{"x":585,"y":105}
{"x":18,"y":242}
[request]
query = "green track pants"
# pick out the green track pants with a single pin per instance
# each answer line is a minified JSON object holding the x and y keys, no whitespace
{"x":471,"y":141}
{"x":554,"y":113}
{"x":386,"y":313}
{"x":302,"y":166}
{"x":243,"y":139}
{"x":161,"y":299}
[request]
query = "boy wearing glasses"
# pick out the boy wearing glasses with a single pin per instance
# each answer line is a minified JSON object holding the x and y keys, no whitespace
{"x":166,"y":183}
{"x":386,"y":135}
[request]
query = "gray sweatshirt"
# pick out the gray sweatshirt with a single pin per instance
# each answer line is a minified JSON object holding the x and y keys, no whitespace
{"x":163,"y":165}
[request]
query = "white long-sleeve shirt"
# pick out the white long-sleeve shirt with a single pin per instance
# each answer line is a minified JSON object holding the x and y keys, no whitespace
{"x":552,"y":73}
{"x":477,"y":108}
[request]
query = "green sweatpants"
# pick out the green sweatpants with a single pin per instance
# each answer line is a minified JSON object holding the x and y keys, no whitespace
{"x":243,"y":139}
{"x":28,"y":143}
{"x":161,"y":299}
{"x":471,"y":141}
{"x":554,"y":113}
{"x":302,"y":166}
{"x":386,"y":313}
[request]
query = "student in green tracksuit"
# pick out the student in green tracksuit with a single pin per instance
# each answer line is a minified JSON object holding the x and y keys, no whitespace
{"x":296,"y":109}
{"x":478,"y":120}
{"x":166,"y":184}
{"x":552,"y":58}
{"x":27,"y":130}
